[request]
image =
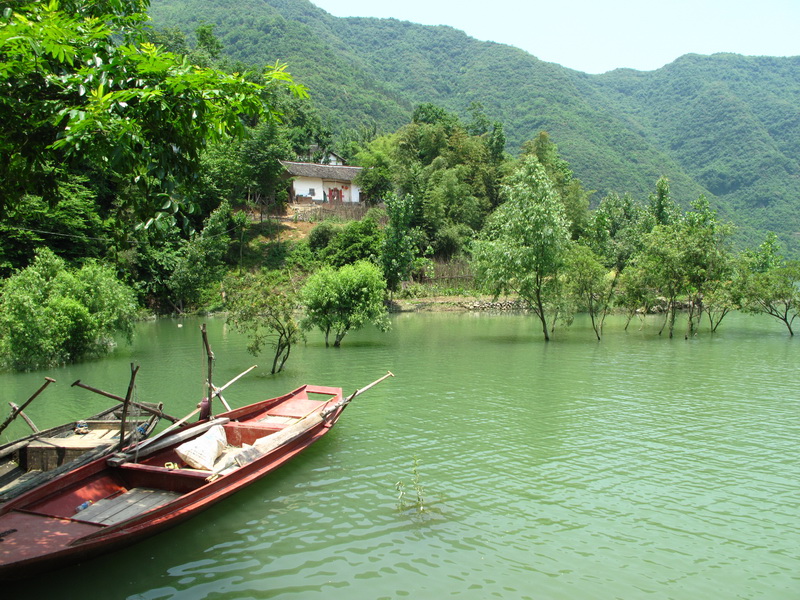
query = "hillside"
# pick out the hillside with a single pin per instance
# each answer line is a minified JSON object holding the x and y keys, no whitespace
{"x":724,"y":125}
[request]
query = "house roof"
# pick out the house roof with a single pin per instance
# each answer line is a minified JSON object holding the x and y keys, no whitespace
{"x":339,"y":173}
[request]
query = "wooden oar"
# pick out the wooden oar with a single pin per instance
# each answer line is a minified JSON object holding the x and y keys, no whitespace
{"x":24,"y":417}
{"x":218,"y":391}
{"x":290,"y":433}
{"x":129,"y":393}
{"x":14,"y":413}
{"x":149,"y":409}
{"x":347,"y":401}
{"x":234,"y":380}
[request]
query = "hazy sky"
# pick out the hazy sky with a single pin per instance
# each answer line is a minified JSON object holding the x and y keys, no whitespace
{"x":595,"y":36}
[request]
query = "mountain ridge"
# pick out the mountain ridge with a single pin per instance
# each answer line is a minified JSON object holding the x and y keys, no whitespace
{"x":723,"y":125}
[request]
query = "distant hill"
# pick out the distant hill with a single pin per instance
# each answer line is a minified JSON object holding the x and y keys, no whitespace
{"x":727,"y":126}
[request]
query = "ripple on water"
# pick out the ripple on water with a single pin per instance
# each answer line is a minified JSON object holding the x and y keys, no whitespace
{"x":637,"y":467}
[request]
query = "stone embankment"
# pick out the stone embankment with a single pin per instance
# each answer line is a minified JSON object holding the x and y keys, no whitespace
{"x":454,"y":304}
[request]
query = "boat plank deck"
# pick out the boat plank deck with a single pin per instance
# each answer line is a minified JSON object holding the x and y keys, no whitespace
{"x":128,"y":505}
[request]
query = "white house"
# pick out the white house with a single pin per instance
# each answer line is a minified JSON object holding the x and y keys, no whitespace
{"x":312,"y":182}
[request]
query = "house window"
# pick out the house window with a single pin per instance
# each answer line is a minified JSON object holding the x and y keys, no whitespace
{"x":312,"y":192}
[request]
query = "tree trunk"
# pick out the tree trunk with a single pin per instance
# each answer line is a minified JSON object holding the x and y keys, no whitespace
{"x":540,"y":312}
{"x":594,"y":325}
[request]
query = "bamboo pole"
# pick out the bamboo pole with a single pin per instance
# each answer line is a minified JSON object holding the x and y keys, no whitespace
{"x":210,"y":357}
{"x":14,"y":413}
{"x":24,"y":417}
{"x":144,"y":407}
{"x":125,"y":407}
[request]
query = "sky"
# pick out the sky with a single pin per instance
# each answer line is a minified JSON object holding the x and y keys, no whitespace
{"x":595,"y":36}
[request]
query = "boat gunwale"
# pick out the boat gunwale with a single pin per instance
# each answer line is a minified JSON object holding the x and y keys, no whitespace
{"x":159,"y":518}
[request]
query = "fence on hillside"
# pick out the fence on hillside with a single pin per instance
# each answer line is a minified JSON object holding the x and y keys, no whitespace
{"x":453,"y":274}
{"x":320,"y":212}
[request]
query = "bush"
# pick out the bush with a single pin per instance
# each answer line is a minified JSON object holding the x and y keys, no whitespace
{"x":50,"y":314}
{"x":340,"y":300}
{"x":358,"y":240}
{"x":321,"y":236}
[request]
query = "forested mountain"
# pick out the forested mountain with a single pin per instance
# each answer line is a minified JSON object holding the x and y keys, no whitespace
{"x":726,"y":126}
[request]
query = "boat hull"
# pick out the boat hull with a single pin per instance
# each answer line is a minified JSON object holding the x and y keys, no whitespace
{"x":46,"y":532}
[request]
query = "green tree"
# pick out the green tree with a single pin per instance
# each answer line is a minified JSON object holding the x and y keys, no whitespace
{"x":50,"y":314}
{"x":615,"y":232}
{"x":661,"y":205}
{"x":398,"y":251}
{"x":200,"y":260}
{"x":636,"y":294}
{"x":708,"y":262}
{"x":262,"y":306}
{"x":358,"y":240}
{"x":665,"y":270}
{"x":341,"y":300}
{"x":375,"y":180}
{"x":570,"y":190}
{"x":73,"y":229}
{"x":524,"y":245}
{"x":771,"y":284}
{"x":207,"y":42}
{"x":590,"y":283}
{"x":170,"y":39}
{"x":81,"y":92}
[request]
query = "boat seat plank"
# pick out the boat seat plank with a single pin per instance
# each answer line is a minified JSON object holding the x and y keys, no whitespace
{"x":277,"y":420}
{"x":126,"y":506}
{"x":297,"y":407}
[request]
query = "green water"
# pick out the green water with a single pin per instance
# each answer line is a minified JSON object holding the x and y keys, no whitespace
{"x":639,"y":467}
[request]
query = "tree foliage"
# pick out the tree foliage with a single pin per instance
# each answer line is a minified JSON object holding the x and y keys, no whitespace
{"x":200,"y":260}
{"x":524,"y":245}
{"x":590,"y":283}
{"x":262,"y":306}
{"x":771,"y":284}
{"x":356,"y":241}
{"x":129,"y":110}
{"x":51,"y":314}
{"x":341,"y":300}
{"x":398,"y":251}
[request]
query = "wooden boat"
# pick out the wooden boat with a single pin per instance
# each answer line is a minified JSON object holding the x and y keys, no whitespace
{"x":113,"y":502}
{"x":29,"y":461}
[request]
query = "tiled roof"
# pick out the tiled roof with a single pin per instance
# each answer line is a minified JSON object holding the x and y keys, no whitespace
{"x":338,"y":173}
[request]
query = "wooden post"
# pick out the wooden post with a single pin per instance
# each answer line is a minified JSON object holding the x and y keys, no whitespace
{"x":14,"y":413}
{"x":210,"y":356}
{"x":125,"y":408}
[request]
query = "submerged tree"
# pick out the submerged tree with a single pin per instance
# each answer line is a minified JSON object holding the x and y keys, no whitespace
{"x":523,"y":248}
{"x":709,"y":264}
{"x":341,"y":300}
{"x":589,"y":282}
{"x":263,"y":307}
{"x":771,"y":284}
{"x":51,"y":314}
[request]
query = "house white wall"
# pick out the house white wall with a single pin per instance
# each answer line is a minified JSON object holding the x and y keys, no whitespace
{"x":319,"y":190}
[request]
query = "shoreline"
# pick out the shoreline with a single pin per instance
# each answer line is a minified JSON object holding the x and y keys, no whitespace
{"x":454,"y":304}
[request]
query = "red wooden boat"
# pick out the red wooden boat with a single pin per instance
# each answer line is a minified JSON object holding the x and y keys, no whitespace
{"x":113,"y":502}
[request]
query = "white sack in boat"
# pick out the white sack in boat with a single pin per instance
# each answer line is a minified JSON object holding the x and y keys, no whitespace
{"x":201,"y":452}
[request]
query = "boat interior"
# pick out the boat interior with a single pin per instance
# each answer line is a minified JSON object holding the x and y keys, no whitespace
{"x":27,"y":461}
{"x":116,"y":493}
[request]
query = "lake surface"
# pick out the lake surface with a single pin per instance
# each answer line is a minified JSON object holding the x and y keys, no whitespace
{"x":493,"y":465}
